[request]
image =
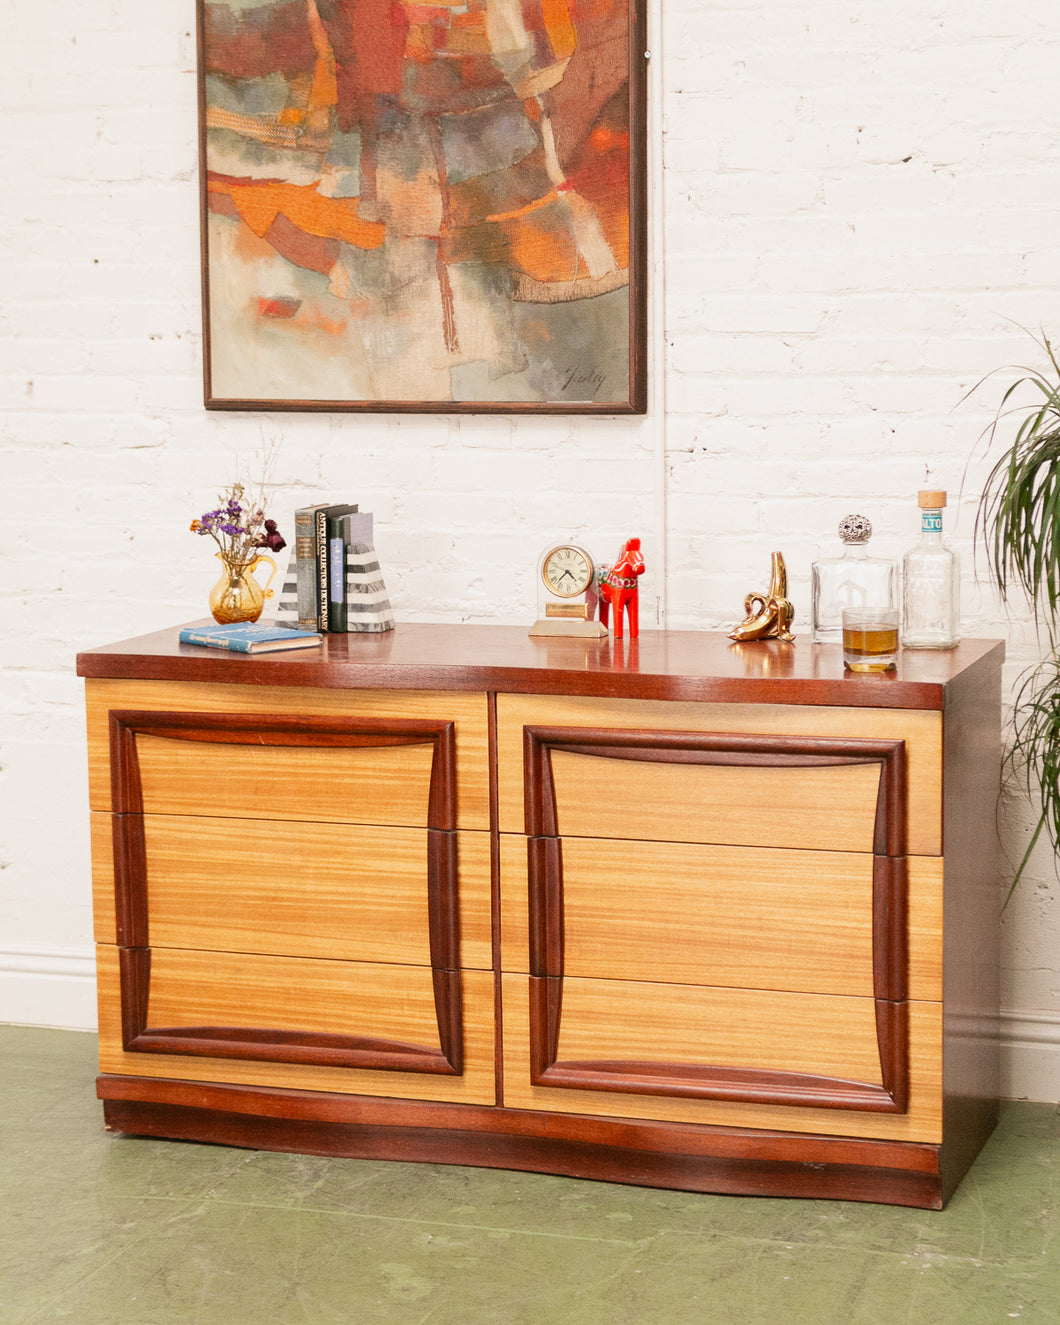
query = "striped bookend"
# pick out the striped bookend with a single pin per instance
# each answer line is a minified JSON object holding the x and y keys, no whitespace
{"x":367,"y":601}
{"x":287,"y":605}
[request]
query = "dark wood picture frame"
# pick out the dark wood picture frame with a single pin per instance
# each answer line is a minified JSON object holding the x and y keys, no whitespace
{"x":424,"y":217}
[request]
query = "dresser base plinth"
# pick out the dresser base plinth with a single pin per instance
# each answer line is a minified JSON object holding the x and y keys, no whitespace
{"x":683,"y":1158}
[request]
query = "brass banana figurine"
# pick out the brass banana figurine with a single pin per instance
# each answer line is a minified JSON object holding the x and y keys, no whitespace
{"x":769,"y":615}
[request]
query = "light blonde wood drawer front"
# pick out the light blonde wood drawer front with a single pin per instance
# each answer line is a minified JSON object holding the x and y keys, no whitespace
{"x":816,"y":808}
{"x":718,"y":916}
{"x":722,"y":915}
{"x":368,"y":785}
{"x":104,"y":915}
{"x":253,"y":1019}
{"x":373,"y":999}
{"x":648,"y":1022}
{"x":287,"y":904}
{"x":661,"y":798}
{"x":380,"y":784}
{"x":763,"y":1029}
{"x":308,"y":890}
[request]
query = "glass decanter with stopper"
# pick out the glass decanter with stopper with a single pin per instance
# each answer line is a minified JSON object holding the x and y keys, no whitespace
{"x":930,"y":583}
{"x":853,"y":579}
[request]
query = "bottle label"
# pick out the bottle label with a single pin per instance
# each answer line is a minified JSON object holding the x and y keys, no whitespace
{"x":931,"y":522}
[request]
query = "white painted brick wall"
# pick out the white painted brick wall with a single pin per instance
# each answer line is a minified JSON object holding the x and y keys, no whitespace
{"x":858,"y":212}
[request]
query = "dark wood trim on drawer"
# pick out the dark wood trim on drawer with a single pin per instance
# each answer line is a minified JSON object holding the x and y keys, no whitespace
{"x":890,"y":928}
{"x":304,"y":1047}
{"x":892,"y":1035}
{"x":281,"y":729}
{"x":719,"y":748}
{"x":130,"y":877}
{"x":890,"y":955}
{"x":261,"y":1043}
{"x":448,"y":1004}
{"x":134,"y":967}
{"x":642,"y":1153}
{"x":443,"y":902}
{"x":545,"y":881}
{"x":717,"y":1082}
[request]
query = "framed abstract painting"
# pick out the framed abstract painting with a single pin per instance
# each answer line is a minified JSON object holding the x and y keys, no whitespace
{"x":430,"y":206}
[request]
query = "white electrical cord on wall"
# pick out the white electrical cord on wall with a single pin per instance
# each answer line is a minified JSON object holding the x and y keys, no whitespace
{"x":656,"y":208}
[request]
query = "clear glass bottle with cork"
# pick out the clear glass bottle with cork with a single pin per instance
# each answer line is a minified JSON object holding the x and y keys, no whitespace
{"x":930,"y":582}
{"x":852,"y":580}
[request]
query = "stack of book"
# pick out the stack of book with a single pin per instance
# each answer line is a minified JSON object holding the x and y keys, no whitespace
{"x":333,"y":580}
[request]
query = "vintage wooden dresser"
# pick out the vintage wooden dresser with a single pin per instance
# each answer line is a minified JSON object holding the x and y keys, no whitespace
{"x":673,"y":911}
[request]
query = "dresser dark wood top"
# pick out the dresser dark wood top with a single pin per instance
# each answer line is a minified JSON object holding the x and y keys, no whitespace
{"x":673,"y":665}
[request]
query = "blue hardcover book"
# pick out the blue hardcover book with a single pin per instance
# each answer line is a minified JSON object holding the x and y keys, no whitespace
{"x":249,"y":637}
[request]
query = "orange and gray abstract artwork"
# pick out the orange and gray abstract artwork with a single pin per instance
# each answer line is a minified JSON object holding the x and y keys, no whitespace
{"x":421,"y":206}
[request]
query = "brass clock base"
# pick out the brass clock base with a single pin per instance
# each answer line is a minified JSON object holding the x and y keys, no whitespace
{"x":553,"y":626}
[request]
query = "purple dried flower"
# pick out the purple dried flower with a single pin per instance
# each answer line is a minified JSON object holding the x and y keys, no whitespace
{"x":237,"y":525}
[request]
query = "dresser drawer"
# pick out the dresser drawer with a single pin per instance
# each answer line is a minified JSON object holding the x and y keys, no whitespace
{"x":734,"y":916}
{"x":816,"y":807}
{"x":361,"y":1027}
{"x":360,"y":756}
{"x":300,"y":889}
{"x":785,"y":782}
{"x":377,"y":1000}
{"x":366,"y":784}
{"x":627,"y":1021}
{"x":634,"y":1050}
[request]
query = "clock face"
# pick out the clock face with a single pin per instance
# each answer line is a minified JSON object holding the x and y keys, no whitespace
{"x":567,"y":571}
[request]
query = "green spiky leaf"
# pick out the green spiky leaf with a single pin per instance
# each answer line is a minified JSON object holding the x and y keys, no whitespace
{"x":1018,"y":527}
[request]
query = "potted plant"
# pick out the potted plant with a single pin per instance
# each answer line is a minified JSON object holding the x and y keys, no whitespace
{"x":1018,"y":526}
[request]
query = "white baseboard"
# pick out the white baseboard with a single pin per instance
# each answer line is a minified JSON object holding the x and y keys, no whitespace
{"x":1030,"y":1055}
{"x":58,"y":988}
{"x":48,"y":988}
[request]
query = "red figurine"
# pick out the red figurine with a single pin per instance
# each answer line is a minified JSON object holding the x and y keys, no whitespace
{"x":618,"y":588}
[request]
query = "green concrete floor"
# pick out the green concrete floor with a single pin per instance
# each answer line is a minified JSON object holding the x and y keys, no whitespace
{"x":108,"y":1229}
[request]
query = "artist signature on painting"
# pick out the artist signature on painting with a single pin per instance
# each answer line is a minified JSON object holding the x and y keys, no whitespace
{"x":580,"y":376}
